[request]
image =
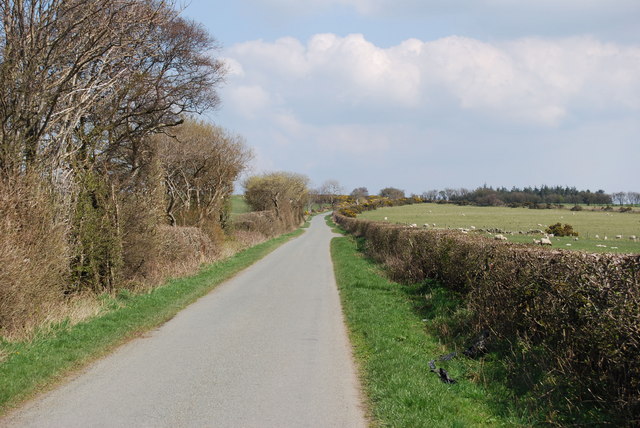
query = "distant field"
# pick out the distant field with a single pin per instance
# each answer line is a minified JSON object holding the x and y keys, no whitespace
{"x":587,"y":223}
{"x":238,"y":205}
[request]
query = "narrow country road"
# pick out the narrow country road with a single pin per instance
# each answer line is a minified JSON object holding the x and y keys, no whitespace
{"x":266,"y":349}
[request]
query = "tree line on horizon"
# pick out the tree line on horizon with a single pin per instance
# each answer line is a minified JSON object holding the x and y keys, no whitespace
{"x":490,"y":196}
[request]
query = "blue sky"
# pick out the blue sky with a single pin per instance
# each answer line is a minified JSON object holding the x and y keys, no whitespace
{"x":423,"y":94}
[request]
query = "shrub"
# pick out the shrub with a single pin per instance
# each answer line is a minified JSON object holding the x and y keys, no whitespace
{"x":560,"y":230}
{"x":33,"y":254}
{"x":569,"y":314}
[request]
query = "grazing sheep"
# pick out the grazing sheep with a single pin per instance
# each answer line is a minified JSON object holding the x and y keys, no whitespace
{"x":551,"y":235}
{"x":473,"y":228}
{"x":575,"y":239}
{"x":385,"y":219}
{"x":568,"y":245}
{"x":632,"y":237}
{"x":536,"y":241}
{"x":597,"y":236}
{"x":434,"y":225}
{"x":618,"y":236}
{"x":500,"y":237}
{"x":425,"y":225}
{"x":413,"y":225}
{"x":605,"y":237}
{"x":545,"y":241}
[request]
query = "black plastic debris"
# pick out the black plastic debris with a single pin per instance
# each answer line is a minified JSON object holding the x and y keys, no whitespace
{"x":479,"y":346}
{"x":444,"y":376}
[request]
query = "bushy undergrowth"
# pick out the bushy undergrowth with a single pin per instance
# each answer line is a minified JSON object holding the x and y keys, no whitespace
{"x":33,"y":253}
{"x":570,"y":321}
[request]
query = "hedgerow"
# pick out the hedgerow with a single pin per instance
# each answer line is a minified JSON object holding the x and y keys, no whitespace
{"x":572,"y":316}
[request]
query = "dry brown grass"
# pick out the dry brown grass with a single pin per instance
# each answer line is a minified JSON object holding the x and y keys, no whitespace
{"x":33,"y":254}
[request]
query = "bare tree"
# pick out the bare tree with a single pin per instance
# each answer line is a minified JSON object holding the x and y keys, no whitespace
{"x":201,"y":163}
{"x":79,"y":76}
{"x":633,"y":197}
{"x":332,"y":189}
{"x":619,"y":197}
{"x":430,"y":195}
{"x":360,"y":193}
{"x":392,"y":193}
{"x":285,"y":193}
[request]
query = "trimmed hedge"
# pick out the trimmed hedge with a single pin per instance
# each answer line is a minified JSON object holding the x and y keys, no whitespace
{"x":571,"y":315}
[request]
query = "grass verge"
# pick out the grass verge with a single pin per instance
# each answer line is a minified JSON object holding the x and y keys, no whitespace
{"x":393,"y":347}
{"x":27,"y":367}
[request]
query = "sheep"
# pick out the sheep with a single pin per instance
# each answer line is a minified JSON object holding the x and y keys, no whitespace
{"x":385,"y":219}
{"x":632,"y":237}
{"x":605,"y":237}
{"x":575,"y":239}
{"x":597,"y":236}
{"x":473,"y":228}
{"x":500,"y":237}
{"x":425,"y":225}
{"x":545,"y":241}
{"x":433,"y":224}
{"x":536,"y":241}
{"x":568,"y":245}
{"x":413,"y":225}
{"x":618,"y":236}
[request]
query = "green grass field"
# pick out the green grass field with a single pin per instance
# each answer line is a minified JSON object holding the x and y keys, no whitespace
{"x":593,"y":226}
{"x":239,"y":205}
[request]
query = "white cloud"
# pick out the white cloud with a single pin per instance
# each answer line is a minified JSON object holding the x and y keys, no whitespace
{"x":539,"y":81}
{"x":247,"y":100}
{"x":439,"y":113}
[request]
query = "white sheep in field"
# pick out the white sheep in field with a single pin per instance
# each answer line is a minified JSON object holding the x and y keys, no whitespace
{"x":500,"y":237}
{"x":473,"y":228}
{"x":425,"y":225}
{"x":385,"y":219}
{"x":545,"y":241}
{"x":618,"y":236}
{"x":413,"y":225}
{"x":597,"y":236}
{"x":575,"y":239}
{"x":536,"y":241}
{"x":632,"y":237}
{"x":568,"y":245}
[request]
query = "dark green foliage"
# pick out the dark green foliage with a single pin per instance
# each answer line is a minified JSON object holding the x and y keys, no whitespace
{"x":97,"y":245}
{"x":561,"y":230}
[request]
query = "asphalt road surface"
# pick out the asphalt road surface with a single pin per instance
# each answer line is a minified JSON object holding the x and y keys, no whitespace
{"x":266,"y":349}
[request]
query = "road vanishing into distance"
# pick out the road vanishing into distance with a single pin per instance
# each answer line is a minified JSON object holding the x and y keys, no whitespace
{"x":266,"y":349}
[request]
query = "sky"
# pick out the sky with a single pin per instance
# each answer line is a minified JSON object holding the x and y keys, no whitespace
{"x":428,"y":94}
